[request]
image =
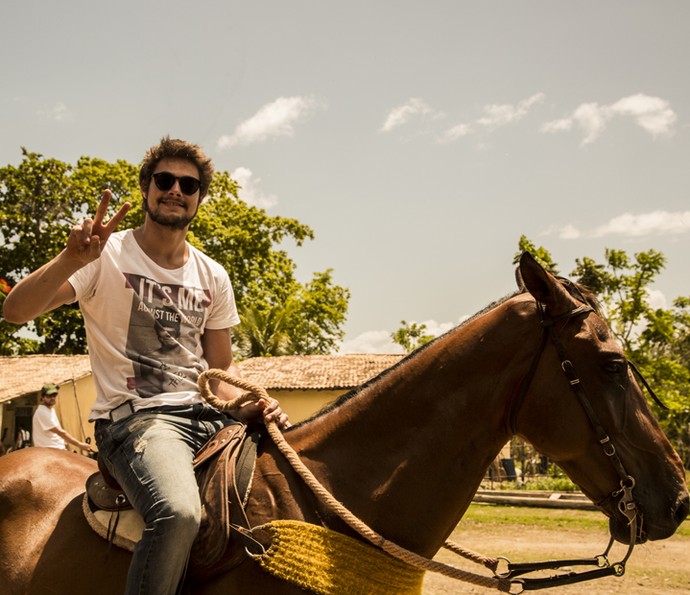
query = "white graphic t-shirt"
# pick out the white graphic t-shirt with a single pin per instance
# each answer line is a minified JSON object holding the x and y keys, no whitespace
{"x":144,"y":323}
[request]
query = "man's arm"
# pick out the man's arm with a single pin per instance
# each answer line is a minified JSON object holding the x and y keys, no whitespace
{"x":47,"y":288}
{"x":42,"y":291}
{"x":67,"y":437}
{"x":217,"y":347}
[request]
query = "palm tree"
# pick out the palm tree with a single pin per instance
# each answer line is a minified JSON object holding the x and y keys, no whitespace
{"x":264,"y":331}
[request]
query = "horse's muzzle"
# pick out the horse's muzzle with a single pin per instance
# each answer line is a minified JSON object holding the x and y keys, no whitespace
{"x":648,"y":530}
{"x":683,"y":508}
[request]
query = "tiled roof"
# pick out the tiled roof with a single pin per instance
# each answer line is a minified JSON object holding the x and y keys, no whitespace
{"x":25,"y":374}
{"x":325,"y":372}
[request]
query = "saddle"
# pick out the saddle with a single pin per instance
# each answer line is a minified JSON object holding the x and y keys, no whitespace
{"x":224,"y":468}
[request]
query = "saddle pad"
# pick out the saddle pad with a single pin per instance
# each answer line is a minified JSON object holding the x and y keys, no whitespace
{"x":329,"y":563}
{"x":123,"y":527}
{"x":110,"y":515}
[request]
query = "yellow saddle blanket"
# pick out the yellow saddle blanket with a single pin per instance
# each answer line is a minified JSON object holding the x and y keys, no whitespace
{"x":330,"y":563}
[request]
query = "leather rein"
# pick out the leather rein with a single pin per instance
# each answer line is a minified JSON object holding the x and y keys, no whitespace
{"x":626,"y":503}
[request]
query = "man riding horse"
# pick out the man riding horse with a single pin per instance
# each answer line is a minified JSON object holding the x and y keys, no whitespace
{"x":157,"y":312}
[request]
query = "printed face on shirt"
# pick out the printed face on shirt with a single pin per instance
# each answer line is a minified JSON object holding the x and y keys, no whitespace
{"x":172,"y":207}
{"x":164,"y":330}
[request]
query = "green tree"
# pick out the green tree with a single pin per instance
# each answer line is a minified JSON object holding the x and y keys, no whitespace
{"x":309,"y":322}
{"x":246,"y":241}
{"x":411,"y":335}
{"x":41,"y":199}
{"x":542,"y":255}
{"x":319,"y":311}
{"x":11,"y":344}
{"x":264,"y":332}
{"x":663,"y":353}
{"x":622,"y":285}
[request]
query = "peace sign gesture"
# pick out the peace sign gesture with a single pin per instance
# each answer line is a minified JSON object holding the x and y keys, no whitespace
{"x":87,"y":239}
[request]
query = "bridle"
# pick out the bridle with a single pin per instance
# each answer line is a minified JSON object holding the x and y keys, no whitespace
{"x":626,"y":503}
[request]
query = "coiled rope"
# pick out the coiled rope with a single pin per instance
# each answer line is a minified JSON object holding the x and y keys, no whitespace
{"x":254,"y":393}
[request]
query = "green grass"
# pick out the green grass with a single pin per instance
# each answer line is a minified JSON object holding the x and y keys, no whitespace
{"x":534,"y":517}
{"x":542,"y":483}
{"x":548,"y":518}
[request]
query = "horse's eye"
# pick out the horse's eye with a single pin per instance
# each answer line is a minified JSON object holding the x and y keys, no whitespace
{"x":616,"y":366}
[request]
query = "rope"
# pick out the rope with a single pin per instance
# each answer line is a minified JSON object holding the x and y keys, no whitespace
{"x":256,"y":392}
{"x":490,"y":563}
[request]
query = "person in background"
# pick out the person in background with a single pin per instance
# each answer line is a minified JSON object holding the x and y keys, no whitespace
{"x":46,"y":428}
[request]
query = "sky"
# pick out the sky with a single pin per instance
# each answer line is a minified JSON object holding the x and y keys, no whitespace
{"x":419,"y":140}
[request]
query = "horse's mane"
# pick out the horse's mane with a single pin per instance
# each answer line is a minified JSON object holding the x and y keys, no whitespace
{"x":582,"y":293}
{"x":403,"y":361}
{"x":576,"y":290}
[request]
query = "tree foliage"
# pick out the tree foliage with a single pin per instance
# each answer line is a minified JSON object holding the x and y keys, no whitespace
{"x":9,"y":343}
{"x":411,"y":335}
{"x":541,"y":255}
{"x":623,"y":285}
{"x":264,"y":332}
{"x":309,"y":322}
{"x":42,"y":198}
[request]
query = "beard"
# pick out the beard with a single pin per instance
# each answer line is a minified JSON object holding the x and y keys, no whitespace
{"x":172,"y":221}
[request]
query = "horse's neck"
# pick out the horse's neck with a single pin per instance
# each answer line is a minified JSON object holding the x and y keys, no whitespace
{"x":416,"y":443}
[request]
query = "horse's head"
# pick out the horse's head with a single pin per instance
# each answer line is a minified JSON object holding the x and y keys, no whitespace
{"x":583,"y":408}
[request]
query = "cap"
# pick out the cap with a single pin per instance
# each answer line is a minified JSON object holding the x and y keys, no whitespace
{"x":49,"y":389}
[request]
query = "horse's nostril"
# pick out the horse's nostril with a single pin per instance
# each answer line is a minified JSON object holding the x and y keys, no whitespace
{"x":682,"y":509}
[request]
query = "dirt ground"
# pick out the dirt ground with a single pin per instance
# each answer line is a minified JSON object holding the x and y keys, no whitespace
{"x":655,"y":568}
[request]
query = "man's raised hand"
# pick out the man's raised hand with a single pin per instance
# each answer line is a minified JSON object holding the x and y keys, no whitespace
{"x":87,"y":239}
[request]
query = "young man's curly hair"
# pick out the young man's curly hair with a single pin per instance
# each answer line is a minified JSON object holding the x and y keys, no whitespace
{"x":176,"y":149}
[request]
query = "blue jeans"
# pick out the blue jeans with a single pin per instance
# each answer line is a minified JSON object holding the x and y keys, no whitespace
{"x":150,"y":453}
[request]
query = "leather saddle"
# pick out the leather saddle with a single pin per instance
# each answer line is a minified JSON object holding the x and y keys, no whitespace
{"x":224,"y":468}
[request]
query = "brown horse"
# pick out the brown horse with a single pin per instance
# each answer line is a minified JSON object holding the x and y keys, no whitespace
{"x":405,"y":452}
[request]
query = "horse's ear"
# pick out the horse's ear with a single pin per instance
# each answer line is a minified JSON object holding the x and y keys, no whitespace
{"x":543,"y":286}
{"x":519,"y":281}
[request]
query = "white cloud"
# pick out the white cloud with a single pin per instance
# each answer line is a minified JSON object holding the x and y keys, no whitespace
{"x":558,"y":125}
{"x":273,"y":119}
{"x":501,"y":115}
{"x":657,"y":299}
{"x":592,"y":118}
{"x":57,"y":112}
{"x":457,"y":132}
{"x":250,"y":191}
{"x":569,"y":232}
{"x":438,"y":328}
{"x":401,"y":114}
{"x":653,"y":114}
{"x":371,"y":342}
{"x":645,"y":224}
{"x":629,"y":225}
{"x":380,"y":341}
{"x":495,"y":116}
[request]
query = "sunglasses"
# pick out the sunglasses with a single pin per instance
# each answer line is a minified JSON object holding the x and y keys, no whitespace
{"x":164,"y":181}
